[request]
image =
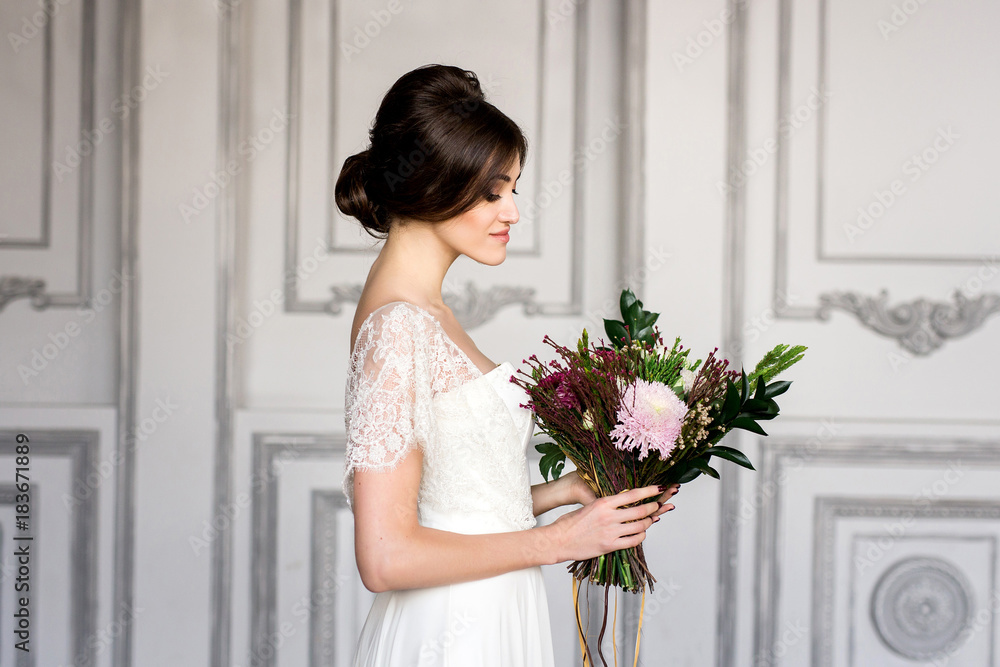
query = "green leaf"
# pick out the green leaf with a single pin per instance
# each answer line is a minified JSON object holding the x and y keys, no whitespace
{"x":744,"y":386}
{"x":730,"y":454}
{"x":645,"y":334}
{"x":552,"y":461}
{"x":732,"y":405}
{"x":629,"y":305}
{"x":776,"y":388}
{"x":769,"y":413}
{"x":547,"y":448}
{"x":755,"y":405}
{"x":748,"y":424}
{"x":703,"y":466}
{"x":616,"y":332}
{"x":688,"y":475}
{"x":761,"y":388}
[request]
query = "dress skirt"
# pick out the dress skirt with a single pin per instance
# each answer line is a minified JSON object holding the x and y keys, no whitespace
{"x":501,"y":621}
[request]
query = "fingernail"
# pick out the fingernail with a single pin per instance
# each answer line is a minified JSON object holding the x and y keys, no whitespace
{"x":661,"y":487}
{"x":655,"y":519}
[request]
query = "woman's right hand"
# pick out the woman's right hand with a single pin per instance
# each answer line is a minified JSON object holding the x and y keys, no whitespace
{"x":604,"y":525}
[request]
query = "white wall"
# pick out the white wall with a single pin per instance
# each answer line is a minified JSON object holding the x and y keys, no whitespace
{"x":205,"y":395}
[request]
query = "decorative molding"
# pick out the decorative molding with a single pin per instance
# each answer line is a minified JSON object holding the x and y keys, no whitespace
{"x":16,"y":287}
{"x":80,"y":447}
{"x":830,"y":509}
{"x":476,"y":307}
{"x":268,"y":449}
{"x":920,"y":607}
{"x":631,"y":185}
{"x":921,"y":326}
{"x":323,"y":578}
{"x":821,"y":119}
{"x":734,"y":269}
{"x":733,"y":311}
{"x":342,"y":292}
{"x":472,"y":308}
{"x":902,"y":322}
{"x":40,"y":298}
{"x":776,"y":452}
{"x":129,"y":47}
{"x":230,"y":206}
{"x":45,"y":236}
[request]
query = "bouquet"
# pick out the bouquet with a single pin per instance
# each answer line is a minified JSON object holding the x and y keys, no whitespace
{"x":637,"y":413}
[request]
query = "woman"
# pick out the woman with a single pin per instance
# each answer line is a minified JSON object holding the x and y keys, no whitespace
{"x":436,"y":472}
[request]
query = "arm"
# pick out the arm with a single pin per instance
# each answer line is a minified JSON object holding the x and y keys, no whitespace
{"x":565,"y":490}
{"x":395,"y":552}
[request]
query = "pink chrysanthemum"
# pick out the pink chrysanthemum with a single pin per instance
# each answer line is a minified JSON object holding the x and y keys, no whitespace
{"x":649,"y":417}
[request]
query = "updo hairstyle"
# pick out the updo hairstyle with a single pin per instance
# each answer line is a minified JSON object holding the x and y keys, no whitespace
{"x":435,"y":150}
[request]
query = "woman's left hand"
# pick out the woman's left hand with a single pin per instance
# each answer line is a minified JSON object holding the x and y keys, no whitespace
{"x":578,"y":491}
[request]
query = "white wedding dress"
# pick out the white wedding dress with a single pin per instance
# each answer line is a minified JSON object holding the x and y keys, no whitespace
{"x":410,"y":385}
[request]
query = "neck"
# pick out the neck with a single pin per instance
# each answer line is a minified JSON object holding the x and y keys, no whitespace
{"x":416,"y":259}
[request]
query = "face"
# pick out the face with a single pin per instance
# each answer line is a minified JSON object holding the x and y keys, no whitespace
{"x":482,"y":232}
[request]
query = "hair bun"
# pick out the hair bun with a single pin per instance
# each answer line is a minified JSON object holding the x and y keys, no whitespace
{"x":352,"y":197}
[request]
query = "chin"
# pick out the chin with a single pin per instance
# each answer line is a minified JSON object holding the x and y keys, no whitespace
{"x":489,"y":258}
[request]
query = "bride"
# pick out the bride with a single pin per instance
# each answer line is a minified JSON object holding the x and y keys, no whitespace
{"x":436,"y":472}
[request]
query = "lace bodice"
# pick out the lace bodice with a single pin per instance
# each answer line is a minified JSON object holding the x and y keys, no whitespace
{"x":409,"y":385}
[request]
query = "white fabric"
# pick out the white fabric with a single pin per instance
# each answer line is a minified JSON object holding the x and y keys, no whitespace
{"x":409,"y":386}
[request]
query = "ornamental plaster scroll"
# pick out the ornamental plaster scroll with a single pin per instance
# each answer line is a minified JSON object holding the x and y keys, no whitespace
{"x":921,"y":326}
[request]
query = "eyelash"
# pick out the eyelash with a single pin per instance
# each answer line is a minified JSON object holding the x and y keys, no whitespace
{"x":492,"y":197}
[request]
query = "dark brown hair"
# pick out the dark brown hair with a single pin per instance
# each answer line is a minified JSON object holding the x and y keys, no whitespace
{"x":436,"y":148}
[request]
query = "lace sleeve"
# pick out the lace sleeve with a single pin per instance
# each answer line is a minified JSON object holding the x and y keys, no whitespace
{"x":387,"y":397}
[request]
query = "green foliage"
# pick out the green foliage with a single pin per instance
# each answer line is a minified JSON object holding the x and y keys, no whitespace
{"x":776,"y":361}
{"x":636,"y":323}
{"x":739,"y":409}
{"x":552,"y":461}
{"x":667,"y":368}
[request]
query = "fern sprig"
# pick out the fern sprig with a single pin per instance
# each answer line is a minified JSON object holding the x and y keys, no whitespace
{"x":775,"y":362}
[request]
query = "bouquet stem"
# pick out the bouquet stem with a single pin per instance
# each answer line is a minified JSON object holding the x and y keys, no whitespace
{"x":585,"y":655}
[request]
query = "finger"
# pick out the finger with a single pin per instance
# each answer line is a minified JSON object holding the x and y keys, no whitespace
{"x":639,"y":526}
{"x":640,"y":511}
{"x":669,"y":493}
{"x":633,"y":495}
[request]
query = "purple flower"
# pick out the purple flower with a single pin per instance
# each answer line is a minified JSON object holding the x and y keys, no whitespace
{"x":559,"y":383}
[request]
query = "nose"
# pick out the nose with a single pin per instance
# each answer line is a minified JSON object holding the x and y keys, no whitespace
{"x":508,"y":212}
